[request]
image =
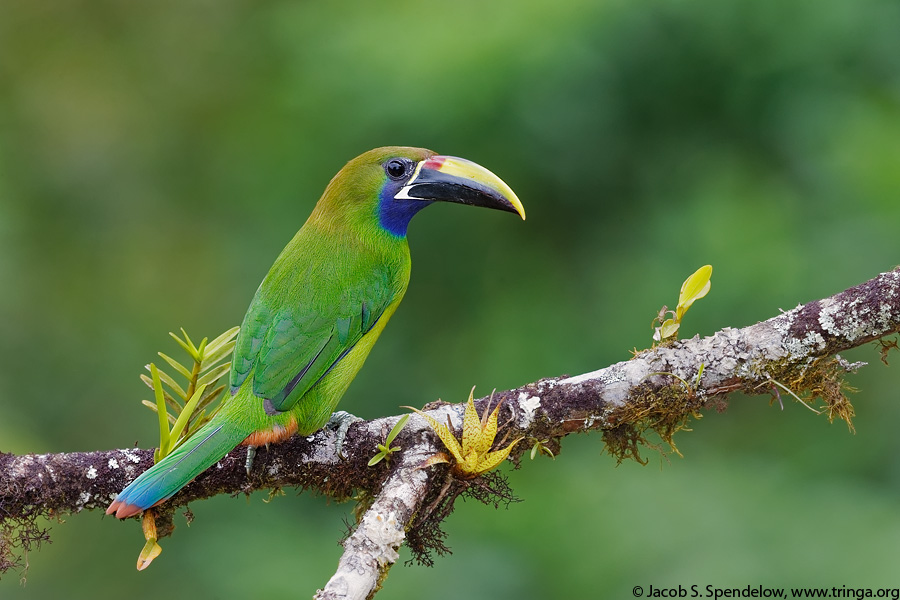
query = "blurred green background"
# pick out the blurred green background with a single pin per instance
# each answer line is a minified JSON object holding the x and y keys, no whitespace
{"x":155,"y":157}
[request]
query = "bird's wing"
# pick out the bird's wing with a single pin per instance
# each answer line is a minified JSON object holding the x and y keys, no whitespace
{"x":289,"y":349}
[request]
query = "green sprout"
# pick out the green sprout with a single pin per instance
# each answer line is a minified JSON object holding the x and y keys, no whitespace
{"x":540,"y":448}
{"x":385,"y":450}
{"x":151,"y":548}
{"x":187,"y":408}
{"x":694,"y":287}
{"x":184,"y":408}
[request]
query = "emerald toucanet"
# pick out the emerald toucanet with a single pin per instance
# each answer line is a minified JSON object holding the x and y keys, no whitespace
{"x":321,"y":307}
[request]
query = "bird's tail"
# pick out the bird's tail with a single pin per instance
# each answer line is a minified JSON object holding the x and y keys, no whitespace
{"x":160,"y":482}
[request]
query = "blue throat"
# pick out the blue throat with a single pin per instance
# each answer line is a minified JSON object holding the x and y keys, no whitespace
{"x":395,"y":215}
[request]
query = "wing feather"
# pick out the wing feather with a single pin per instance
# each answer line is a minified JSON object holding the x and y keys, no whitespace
{"x":289,"y":351}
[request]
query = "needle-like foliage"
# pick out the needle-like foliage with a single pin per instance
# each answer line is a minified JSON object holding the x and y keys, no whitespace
{"x":188,"y":407}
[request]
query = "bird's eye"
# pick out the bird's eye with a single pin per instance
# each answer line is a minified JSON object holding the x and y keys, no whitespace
{"x":395,"y":168}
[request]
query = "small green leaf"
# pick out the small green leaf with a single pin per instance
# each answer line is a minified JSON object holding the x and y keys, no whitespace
{"x":176,"y":365}
{"x":209,"y":397}
{"x":699,"y":375}
{"x":223,"y":339}
{"x":192,"y":349}
{"x":668,"y":328}
{"x":694,"y":287}
{"x":385,"y":450}
{"x":395,"y":430}
{"x":210,"y":361}
{"x":185,"y":415}
{"x":195,"y":423}
{"x":187,"y":345}
{"x":219,"y":348}
{"x":171,"y":383}
{"x":214,"y":375}
{"x":161,"y":412}
{"x":540,"y":448}
{"x":172,"y":402}
{"x":152,"y":407}
{"x":150,"y":551}
{"x":201,"y":349}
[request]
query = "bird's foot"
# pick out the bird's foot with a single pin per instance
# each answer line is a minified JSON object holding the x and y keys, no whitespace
{"x":251,"y":454}
{"x":341,"y":421}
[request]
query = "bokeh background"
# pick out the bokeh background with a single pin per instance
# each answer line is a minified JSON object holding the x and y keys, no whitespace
{"x":155,"y":158}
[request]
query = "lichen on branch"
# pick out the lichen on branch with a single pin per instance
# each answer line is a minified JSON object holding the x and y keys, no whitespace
{"x":792,"y":355}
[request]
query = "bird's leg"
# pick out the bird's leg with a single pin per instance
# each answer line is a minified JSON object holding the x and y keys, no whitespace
{"x":251,"y":454}
{"x":341,"y":421}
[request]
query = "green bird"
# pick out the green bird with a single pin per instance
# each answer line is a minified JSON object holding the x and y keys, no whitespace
{"x":321,"y":307}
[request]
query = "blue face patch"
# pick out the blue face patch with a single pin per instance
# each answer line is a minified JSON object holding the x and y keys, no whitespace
{"x":395,"y":215}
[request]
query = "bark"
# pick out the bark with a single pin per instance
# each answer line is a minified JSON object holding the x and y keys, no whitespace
{"x":794,"y":354}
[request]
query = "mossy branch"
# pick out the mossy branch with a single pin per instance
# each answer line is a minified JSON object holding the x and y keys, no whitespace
{"x":658,"y":389}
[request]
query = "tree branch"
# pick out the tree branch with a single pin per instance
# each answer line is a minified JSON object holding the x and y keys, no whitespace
{"x":659,"y":390}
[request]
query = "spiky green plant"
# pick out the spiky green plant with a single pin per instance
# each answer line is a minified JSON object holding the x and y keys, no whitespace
{"x":188,"y":407}
{"x":385,"y":450}
{"x":694,"y":287}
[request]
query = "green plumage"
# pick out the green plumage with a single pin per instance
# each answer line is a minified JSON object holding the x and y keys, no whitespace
{"x":318,"y":312}
{"x":348,"y":284}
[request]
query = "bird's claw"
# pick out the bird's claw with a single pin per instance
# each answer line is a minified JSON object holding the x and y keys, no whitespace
{"x":341,"y":421}
{"x":251,"y":454}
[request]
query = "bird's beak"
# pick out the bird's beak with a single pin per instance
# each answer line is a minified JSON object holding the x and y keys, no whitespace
{"x":452,"y":179}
